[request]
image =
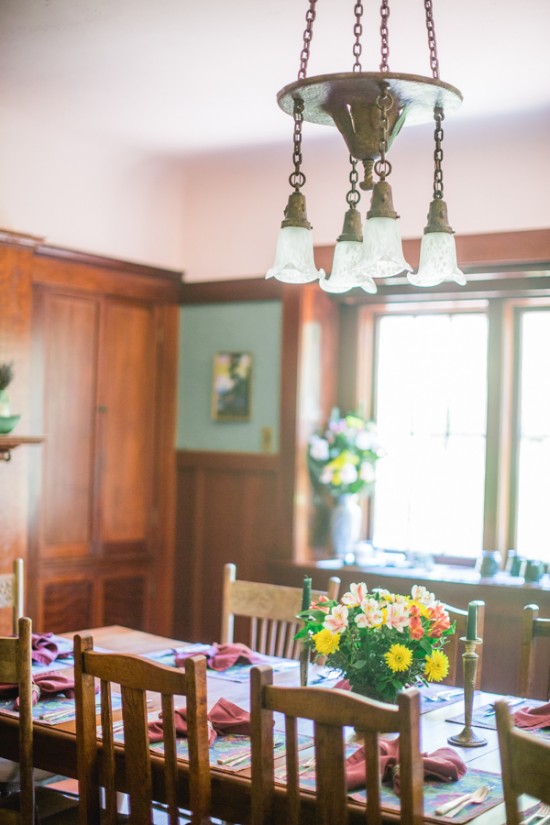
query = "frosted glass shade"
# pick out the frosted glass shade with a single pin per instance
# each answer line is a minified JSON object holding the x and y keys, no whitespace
{"x":437,"y":261}
{"x":294,"y":262}
{"x":343,"y":277}
{"x":382,"y":250}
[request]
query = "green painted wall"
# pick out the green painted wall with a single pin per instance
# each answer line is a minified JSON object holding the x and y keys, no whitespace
{"x":205,"y":330}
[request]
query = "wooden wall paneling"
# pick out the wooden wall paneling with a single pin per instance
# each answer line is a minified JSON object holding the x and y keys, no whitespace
{"x":226,"y":513}
{"x":126,"y":599}
{"x":66,"y":602}
{"x":15,"y":335}
{"x":163,"y":527}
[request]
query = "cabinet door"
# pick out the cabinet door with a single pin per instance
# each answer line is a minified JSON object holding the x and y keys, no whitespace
{"x":127,"y":426}
{"x":66,"y":331}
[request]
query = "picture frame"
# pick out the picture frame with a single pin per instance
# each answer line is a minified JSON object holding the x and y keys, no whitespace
{"x":232,"y":386}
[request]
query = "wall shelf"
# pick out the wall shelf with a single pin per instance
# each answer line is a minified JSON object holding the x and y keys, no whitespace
{"x":10,"y":442}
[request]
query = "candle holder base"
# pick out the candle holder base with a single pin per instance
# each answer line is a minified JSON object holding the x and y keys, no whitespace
{"x":467,"y":739}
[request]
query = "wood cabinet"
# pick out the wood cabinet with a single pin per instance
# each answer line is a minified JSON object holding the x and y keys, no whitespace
{"x":102,"y":356}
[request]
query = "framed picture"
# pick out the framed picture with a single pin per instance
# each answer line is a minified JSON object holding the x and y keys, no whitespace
{"x":231,"y":387}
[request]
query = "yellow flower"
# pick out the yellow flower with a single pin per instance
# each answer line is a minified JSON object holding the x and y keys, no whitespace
{"x":326,"y":642}
{"x":424,"y":612}
{"x":437,"y":666}
{"x":398,"y":658}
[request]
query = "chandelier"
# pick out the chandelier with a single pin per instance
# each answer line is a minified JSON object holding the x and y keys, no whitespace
{"x":368,"y":109}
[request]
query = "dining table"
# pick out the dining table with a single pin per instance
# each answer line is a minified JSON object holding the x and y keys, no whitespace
{"x":442,"y":715}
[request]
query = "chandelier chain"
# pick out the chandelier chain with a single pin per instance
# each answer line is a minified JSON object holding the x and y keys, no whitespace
{"x":357,"y":31}
{"x":353,"y":196}
{"x":384,"y":101}
{"x":308,"y":36}
{"x":438,"y":153}
{"x":384,"y":36}
{"x":297,"y":178}
{"x":434,"y":62}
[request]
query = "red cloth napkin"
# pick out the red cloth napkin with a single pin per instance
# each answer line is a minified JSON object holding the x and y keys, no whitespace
{"x":443,"y":765}
{"x":44,"y":649}
{"x":224,"y":718}
{"x":222,"y":657}
{"x":44,"y":684}
{"x":533,"y":718}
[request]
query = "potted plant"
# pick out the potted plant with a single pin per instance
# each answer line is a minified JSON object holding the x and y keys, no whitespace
{"x":7,"y":420}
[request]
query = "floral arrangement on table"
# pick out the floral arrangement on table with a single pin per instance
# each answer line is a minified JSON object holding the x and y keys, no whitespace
{"x":381,"y":642}
{"x":341,"y":459}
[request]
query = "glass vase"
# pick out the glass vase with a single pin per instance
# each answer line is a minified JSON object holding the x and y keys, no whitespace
{"x":345,"y":526}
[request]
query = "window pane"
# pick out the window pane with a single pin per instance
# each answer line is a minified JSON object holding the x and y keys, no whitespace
{"x":533,"y":513}
{"x":431,"y":414}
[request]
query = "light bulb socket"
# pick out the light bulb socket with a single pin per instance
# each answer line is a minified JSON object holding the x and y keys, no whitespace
{"x":381,"y":205}
{"x":295,"y":212}
{"x":438,"y":220}
{"x":352,"y":229}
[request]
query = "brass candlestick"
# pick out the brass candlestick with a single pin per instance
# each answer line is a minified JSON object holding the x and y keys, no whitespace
{"x":304,"y":664}
{"x":467,"y":738}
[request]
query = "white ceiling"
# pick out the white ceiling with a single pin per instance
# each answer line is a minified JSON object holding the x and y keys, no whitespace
{"x":181,"y":76}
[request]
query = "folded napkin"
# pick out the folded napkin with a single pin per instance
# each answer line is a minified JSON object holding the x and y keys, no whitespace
{"x":224,"y":718}
{"x":533,"y":718}
{"x":222,"y":657}
{"x":443,"y":765}
{"x":43,"y":685}
{"x":44,"y":649}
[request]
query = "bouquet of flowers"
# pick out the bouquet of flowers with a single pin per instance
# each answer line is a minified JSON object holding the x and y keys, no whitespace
{"x":381,"y":642}
{"x":341,"y":459}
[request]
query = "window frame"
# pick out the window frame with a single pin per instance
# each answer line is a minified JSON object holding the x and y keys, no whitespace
{"x":503,"y":305}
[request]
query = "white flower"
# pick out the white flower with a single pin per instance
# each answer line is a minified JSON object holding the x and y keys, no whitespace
{"x":420,"y":594}
{"x":348,"y":474}
{"x":371,"y":615}
{"x":366,"y":441}
{"x":356,"y":594}
{"x":318,"y":448}
{"x":366,"y":472}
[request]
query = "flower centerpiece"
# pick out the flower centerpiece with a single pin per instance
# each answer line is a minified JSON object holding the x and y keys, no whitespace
{"x":341,"y":461}
{"x":381,"y":642}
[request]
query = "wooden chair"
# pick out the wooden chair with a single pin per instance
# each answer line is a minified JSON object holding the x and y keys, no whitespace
{"x":525,"y":761}
{"x":331,"y":710}
{"x":12,"y":592}
{"x":533,"y":629}
{"x":455,"y":648}
{"x":136,"y":676}
{"x":29,"y":804}
{"x":271,"y":610}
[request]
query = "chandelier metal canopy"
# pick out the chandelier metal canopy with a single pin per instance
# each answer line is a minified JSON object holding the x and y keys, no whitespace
{"x":368,"y":109}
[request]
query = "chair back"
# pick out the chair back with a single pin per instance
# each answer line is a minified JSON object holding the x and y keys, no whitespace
{"x":330,"y":711}
{"x":533,"y":629}
{"x":455,"y":648}
{"x":270,"y":609}
{"x":133,"y":677}
{"x":525,"y":762}
{"x":15,"y":667}
{"x":12,"y":593}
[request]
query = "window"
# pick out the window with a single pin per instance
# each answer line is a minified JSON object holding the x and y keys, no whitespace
{"x":461,"y":394}
{"x":533,"y":434}
{"x":431,"y":401}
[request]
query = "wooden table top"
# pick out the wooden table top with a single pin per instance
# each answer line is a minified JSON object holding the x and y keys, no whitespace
{"x":55,"y":746}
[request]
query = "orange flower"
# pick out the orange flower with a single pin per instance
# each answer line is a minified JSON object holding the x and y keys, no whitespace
{"x":440,"y":620}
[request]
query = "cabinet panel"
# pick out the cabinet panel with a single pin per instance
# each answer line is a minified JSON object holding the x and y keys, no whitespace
{"x":66,"y":605}
{"x":127,"y":401}
{"x":67,"y":327}
{"x":124,"y":600}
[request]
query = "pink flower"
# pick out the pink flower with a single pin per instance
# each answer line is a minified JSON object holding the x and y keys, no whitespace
{"x":397,"y":616}
{"x":371,"y":615}
{"x":320,"y":604}
{"x":356,"y":594}
{"x":337,"y":620}
{"x":421,"y":594}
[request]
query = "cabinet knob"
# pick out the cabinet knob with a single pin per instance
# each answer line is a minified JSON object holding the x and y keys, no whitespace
{"x":102,"y":408}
